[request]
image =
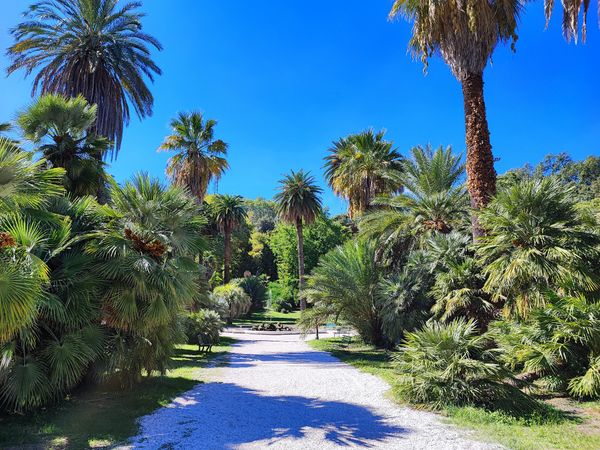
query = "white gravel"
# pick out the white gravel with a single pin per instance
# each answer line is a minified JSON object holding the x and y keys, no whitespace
{"x":278,"y":393}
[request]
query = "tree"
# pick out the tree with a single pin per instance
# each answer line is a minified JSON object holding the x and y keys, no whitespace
{"x":570,"y":19}
{"x":299,"y":203}
{"x":362,"y":166}
{"x":536,"y":242}
{"x":465,"y":37}
{"x":61,"y":128}
{"x":199,"y":158}
{"x":345,"y":282}
{"x":93,"y":48}
{"x":228,"y":212}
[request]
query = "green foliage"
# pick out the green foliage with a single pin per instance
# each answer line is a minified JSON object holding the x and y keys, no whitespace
{"x":536,"y":240}
{"x":298,"y":198}
{"x":204,"y":322}
{"x":345,"y":282}
{"x":283,"y":295}
{"x":558,"y":343}
{"x":237,"y":301}
{"x":262,"y":214}
{"x":319,"y":238}
{"x":449,"y":364}
{"x":256,"y":288}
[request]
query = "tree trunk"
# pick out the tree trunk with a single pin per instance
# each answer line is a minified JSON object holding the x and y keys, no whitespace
{"x":227,"y":258}
{"x":481,"y":176}
{"x":300,"y":241}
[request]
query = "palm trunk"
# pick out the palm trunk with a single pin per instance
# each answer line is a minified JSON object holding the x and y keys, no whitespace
{"x":481,"y":176}
{"x":227,"y":258}
{"x":300,"y":241}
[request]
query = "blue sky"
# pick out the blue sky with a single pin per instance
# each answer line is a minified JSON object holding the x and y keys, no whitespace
{"x":286,"y":78}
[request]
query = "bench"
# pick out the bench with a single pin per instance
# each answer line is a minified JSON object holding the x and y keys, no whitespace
{"x":206,"y":342}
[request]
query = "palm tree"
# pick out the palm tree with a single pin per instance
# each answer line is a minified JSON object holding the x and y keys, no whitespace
{"x":345,"y":283}
{"x":228,"y":212}
{"x":61,"y":127}
{"x":434,"y":201}
{"x":570,"y":20}
{"x":536,"y":242}
{"x":93,"y":48}
{"x":200,"y":158}
{"x":465,"y":37}
{"x":299,"y":203}
{"x":362,"y":166}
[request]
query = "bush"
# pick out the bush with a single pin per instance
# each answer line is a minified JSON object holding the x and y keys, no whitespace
{"x":205,"y":322}
{"x":450,"y":364}
{"x":238,"y":302}
{"x":256,"y":288}
{"x":283,"y":296}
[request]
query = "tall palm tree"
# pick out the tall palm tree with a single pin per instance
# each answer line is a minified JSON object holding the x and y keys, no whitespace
{"x":466,"y":36}
{"x":61,"y":127}
{"x":298,"y":202}
{"x":200,"y":158}
{"x":362,"y":166}
{"x":228,"y":213}
{"x":94,"y":48}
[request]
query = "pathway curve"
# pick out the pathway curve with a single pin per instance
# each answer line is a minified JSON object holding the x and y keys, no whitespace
{"x":278,"y":393}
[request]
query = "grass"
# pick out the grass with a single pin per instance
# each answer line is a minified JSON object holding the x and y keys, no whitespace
{"x":103,"y":416}
{"x":563,"y":424}
{"x":259,"y":317}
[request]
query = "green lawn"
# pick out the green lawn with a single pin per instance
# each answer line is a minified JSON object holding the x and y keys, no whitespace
{"x":104,"y":416}
{"x":575,"y":426}
{"x":269,"y":316}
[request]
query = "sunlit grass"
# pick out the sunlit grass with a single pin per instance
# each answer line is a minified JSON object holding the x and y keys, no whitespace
{"x":104,"y":416}
{"x":576,"y":429}
{"x":269,"y":316}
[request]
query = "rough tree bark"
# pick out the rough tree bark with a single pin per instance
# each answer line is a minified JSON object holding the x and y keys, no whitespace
{"x":300,"y":241}
{"x":481,"y":176}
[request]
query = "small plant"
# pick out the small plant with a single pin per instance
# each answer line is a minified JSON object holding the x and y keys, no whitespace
{"x":238,"y":302}
{"x":256,"y":288}
{"x":204,"y":322}
{"x":450,"y":364}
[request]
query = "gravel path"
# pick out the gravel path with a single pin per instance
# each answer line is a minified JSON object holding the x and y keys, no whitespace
{"x":278,"y":393}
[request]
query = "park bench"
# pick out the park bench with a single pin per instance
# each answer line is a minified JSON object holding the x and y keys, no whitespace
{"x":206,"y":342}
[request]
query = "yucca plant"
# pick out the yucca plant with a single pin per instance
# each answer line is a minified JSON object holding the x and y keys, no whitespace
{"x":238,"y":302}
{"x":449,"y":364}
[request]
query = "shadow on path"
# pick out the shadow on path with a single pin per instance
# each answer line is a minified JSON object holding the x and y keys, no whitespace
{"x":224,"y":415}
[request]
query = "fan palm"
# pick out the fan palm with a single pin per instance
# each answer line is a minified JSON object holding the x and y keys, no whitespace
{"x":200,"y":157}
{"x":146,"y":255}
{"x":536,"y":241}
{"x":93,"y":48}
{"x":61,"y":128}
{"x":228,"y":212}
{"x":465,"y":37}
{"x":299,"y":203}
{"x":362,"y":166}
{"x":570,"y":19}
{"x":345,"y":282}
{"x":434,"y":202}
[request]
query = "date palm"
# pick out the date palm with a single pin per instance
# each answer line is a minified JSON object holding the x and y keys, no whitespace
{"x":93,"y":48}
{"x":228,"y":212}
{"x":199,"y":158}
{"x":466,"y":36}
{"x":61,"y":129}
{"x":299,"y":203}
{"x":362,"y":166}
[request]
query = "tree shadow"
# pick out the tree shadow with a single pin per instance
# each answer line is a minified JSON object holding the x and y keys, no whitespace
{"x":224,"y":415}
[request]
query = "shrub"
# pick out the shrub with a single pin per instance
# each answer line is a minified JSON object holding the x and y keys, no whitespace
{"x":205,"y":322}
{"x":256,"y":288}
{"x":449,"y":364}
{"x":559,"y":345}
{"x":282,"y":296}
{"x":238,"y":302}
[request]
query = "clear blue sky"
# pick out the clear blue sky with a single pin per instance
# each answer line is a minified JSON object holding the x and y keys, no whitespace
{"x":286,"y":78}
